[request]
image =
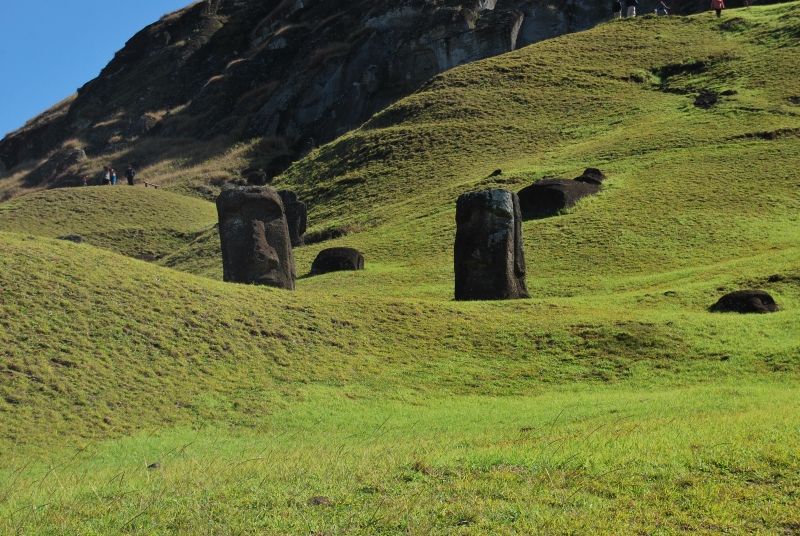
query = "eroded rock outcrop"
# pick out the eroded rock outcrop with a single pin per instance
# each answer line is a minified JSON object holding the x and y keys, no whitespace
{"x":256,"y":247}
{"x":337,"y":260}
{"x":746,"y":301}
{"x":290,"y":71}
{"x":489,"y":260}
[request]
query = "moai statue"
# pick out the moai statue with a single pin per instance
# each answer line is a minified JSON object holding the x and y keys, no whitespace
{"x":296,"y":216}
{"x":256,"y":247}
{"x":336,"y":260}
{"x":489,"y":259}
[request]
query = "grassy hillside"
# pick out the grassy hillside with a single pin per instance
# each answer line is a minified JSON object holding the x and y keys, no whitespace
{"x":138,"y":222}
{"x":690,"y":187}
{"x":611,"y":402}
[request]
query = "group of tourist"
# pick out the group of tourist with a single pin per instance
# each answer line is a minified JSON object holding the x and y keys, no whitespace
{"x":110,"y":176}
{"x":661,"y":8}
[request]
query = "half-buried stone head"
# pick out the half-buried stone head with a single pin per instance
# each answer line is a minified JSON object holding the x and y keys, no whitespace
{"x":549,"y":197}
{"x":337,"y":260}
{"x":489,"y":261}
{"x":745,"y":301}
{"x":256,"y":247}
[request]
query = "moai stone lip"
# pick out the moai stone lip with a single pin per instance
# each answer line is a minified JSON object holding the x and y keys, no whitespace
{"x":489,"y":260}
{"x":256,"y":246}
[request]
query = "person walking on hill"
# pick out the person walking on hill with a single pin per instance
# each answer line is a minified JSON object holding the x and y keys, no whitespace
{"x":113,"y":177}
{"x":662,"y":8}
{"x":718,"y":6}
{"x":106,"y":176}
{"x":616,"y":9}
{"x":631,"y":8}
{"x":130,"y":174}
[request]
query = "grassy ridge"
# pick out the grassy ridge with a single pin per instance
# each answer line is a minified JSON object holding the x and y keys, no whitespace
{"x":138,"y":222}
{"x":611,"y":402}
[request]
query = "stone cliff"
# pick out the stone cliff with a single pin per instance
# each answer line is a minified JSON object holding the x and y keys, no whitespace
{"x":297,"y":72}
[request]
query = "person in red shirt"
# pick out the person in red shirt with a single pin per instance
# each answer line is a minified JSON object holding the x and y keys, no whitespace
{"x":718,"y":6}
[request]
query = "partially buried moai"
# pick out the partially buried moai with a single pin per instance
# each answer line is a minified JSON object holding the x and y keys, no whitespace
{"x":489,"y":259}
{"x":296,"y":216}
{"x":256,"y":246}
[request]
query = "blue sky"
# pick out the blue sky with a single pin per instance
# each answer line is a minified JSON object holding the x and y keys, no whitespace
{"x":49,"y":48}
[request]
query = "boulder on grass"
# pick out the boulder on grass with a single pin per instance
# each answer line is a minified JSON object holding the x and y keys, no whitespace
{"x":256,"y":247}
{"x":296,"y":216}
{"x":549,"y":197}
{"x":489,"y":260}
{"x":745,"y":301}
{"x":337,"y":260}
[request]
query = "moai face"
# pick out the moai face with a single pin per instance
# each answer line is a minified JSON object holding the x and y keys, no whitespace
{"x":256,"y":247}
{"x":489,"y":260}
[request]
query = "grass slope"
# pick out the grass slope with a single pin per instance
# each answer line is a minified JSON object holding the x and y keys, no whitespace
{"x":612,"y":402}
{"x":138,"y":222}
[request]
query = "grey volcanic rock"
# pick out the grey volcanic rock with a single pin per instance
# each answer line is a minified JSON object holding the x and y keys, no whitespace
{"x":337,"y":260}
{"x":489,"y":260}
{"x":745,"y":301}
{"x":256,"y":247}
{"x":548,"y":197}
{"x":296,"y":216}
{"x":288,"y":70}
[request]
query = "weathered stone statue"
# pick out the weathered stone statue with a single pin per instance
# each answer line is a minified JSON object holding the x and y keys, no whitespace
{"x":549,"y":197}
{"x":336,"y":260}
{"x":256,"y":246}
{"x":746,"y":301}
{"x":296,"y":216}
{"x":489,"y":259}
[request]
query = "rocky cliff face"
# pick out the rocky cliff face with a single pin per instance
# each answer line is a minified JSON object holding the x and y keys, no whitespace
{"x":300,"y":72}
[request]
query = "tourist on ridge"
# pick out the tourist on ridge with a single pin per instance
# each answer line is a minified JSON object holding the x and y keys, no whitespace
{"x":113,"y":177}
{"x":107,"y":176}
{"x":631,"y":8}
{"x":130,"y":174}
{"x":617,"y":9}
{"x":662,"y":9}
{"x":718,"y":6}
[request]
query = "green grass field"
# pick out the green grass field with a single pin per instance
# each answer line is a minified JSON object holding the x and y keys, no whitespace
{"x":611,"y":402}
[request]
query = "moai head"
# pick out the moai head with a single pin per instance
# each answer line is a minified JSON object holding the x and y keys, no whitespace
{"x":256,"y":247}
{"x":489,"y":260}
